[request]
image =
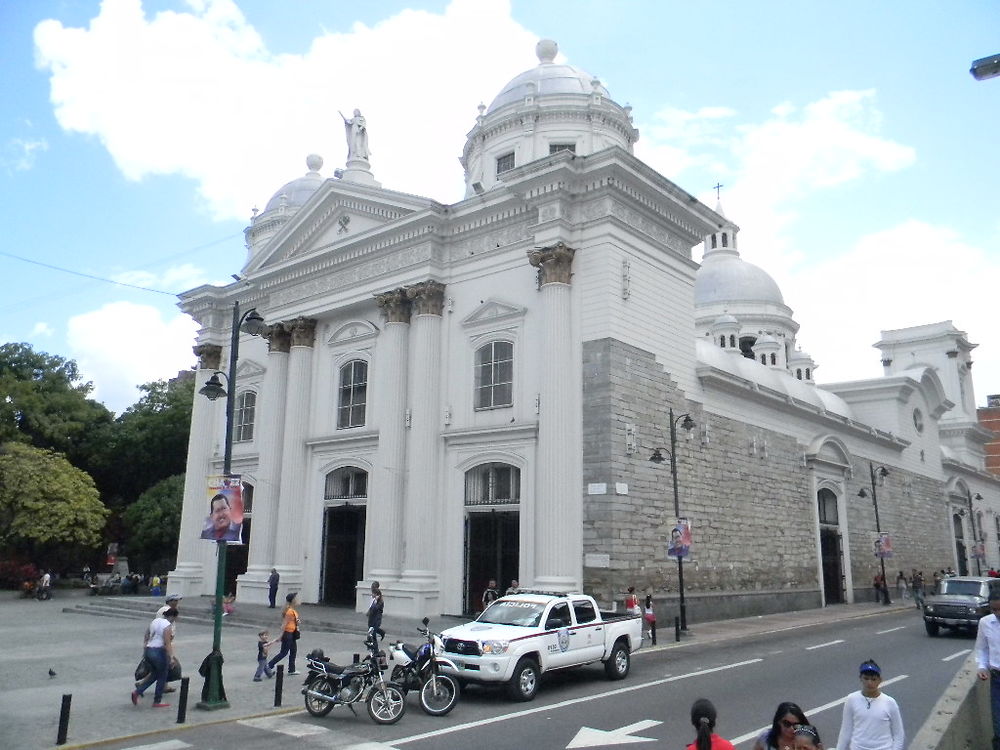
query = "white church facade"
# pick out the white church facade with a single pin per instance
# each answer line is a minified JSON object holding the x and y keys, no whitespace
{"x":446,"y":394}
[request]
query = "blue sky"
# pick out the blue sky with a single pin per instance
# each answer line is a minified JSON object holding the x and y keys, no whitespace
{"x":858,"y":155}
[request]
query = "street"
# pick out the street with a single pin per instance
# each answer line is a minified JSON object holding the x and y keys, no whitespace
{"x":816,"y":667}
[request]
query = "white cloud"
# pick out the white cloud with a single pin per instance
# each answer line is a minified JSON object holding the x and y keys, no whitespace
{"x":143,"y":347}
{"x":175,"y":279}
{"x":203,"y":97}
{"x":19,"y":154}
{"x":42,"y":329}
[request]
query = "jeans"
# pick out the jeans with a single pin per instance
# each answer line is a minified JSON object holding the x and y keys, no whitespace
{"x":288,"y":646}
{"x":995,"y":705}
{"x":262,"y":668}
{"x":158,"y":658}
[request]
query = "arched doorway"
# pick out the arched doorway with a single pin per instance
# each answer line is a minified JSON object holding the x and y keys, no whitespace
{"x":344,"y":518}
{"x":831,"y":550}
{"x":492,"y":530}
{"x":963,"y":564}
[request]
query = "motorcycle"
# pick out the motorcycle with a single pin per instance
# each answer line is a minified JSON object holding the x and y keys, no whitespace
{"x":328,"y":685}
{"x":418,"y":668}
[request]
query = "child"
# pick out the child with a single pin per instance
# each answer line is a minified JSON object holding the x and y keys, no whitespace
{"x":263,"y":644}
{"x":227,"y":604}
{"x":807,"y":738}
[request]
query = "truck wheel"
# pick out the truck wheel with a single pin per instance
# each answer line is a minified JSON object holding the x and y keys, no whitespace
{"x":524,"y":683}
{"x":931,"y":628}
{"x":618,"y":664}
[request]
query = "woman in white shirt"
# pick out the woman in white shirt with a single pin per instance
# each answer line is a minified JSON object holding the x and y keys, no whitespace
{"x":158,"y":646}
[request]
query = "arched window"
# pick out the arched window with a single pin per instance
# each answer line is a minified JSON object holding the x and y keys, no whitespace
{"x":827,"y":502}
{"x":493,"y":484}
{"x":346,"y":483}
{"x":246,"y":408}
{"x":715,"y":241}
{"x":722,"y":341}
{"x":495,"y":375}
{"x":774,"y":358}
{"x":725,"y":240}
{"x":798,"y":373}
{"x":732,"y":341}
{"x":763,"y":359}
{"x":807,"y":373}
{"x":353,"y":394}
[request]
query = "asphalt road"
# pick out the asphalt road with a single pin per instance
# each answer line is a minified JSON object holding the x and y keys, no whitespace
{"x":746,"y":679}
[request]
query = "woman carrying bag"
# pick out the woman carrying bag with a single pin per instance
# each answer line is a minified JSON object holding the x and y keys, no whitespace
{"x":289,"y":634}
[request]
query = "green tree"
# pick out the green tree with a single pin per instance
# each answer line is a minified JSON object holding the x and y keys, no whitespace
{"x":45,"y":403}
{"x":49,"y":509}
{"x":152,"y":525}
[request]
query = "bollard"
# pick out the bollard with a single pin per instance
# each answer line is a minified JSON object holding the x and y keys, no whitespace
{"x":64,"y":719}
{"x":278,"y":683}
{"x":677,"y":629}
{"x":182,"y":706}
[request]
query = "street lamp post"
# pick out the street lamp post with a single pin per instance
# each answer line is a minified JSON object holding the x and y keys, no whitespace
{"x":975,"y":538}
{"x":252,"y":323}
{"x":881,"y":473}
{"x":688,"y":424}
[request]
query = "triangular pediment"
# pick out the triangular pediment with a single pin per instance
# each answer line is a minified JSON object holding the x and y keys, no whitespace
{"x":247,"y":369}
{"x":353,"y":333}
{"x":492,"y":312}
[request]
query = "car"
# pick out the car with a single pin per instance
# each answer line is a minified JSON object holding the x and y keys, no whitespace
{"x":522,"y":636}
{"x":959,"y":602}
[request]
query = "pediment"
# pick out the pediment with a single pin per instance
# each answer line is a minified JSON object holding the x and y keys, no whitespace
{"x":247,"y":369}
{"x":352,"y":333}
{"x":492,"y":312}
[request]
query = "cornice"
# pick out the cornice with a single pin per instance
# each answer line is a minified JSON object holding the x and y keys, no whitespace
{"x":518,"y":431}
{"x":347,"y":439}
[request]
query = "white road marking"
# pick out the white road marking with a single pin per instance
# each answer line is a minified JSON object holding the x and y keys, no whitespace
{"x":823,"y":645}
{"x":168,"y":745}
{"x":963,"y":652}
{"x":283,"y":725}
{"x":890,"y":630}
{"x":588,"y":737}
{"x":811,"y":711}
{"x":570,"y":702}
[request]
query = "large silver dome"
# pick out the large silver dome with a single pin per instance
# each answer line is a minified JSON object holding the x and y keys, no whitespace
{"x":727,"y":278}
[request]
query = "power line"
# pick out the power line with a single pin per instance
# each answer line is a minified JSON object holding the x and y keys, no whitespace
{"x":86,"y":275}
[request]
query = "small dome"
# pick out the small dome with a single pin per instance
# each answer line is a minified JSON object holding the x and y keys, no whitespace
{"x":726,"y":320}
{"x":547,"y":79}
{"x":728,"y":278}
{"x":301,"y":189}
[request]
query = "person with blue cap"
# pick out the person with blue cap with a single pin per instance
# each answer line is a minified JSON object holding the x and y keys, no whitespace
{"x":871,"y":718}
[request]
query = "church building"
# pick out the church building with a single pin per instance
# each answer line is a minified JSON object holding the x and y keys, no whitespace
{"x":448,"y":394}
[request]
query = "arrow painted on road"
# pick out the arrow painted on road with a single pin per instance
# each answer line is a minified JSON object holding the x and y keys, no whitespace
{"x":588,"y":737}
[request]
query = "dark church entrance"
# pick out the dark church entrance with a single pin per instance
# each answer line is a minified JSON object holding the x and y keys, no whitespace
{"x":491,"y":551}
{"x":833,"y":576}
{"x":343,"y":553}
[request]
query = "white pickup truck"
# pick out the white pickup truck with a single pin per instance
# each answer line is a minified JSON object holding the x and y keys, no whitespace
{"x":520,"y":637}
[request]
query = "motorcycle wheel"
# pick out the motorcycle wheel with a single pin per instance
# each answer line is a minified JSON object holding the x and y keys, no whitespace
{"x":386,"y":704}
{"x":319,"y":706}
{"x":438,"y":695}
{"x":399,"y":677}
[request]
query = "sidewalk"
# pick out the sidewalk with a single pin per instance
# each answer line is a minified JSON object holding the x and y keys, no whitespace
{"x":99,"y":678}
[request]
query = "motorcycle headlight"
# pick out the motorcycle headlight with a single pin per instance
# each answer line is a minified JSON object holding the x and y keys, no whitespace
{"x":495,"y":647}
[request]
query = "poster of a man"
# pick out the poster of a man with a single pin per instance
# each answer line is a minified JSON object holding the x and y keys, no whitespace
{"x":883,"y":545}
{"x":224,"y":521}
{"x":680,"y":539}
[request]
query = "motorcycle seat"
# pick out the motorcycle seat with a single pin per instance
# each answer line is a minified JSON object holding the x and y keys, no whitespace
{"x":410,"y":650}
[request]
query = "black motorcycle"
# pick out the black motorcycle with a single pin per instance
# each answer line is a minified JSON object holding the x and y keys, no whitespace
{"x":418,"y":668}
{"x":328,"y":685}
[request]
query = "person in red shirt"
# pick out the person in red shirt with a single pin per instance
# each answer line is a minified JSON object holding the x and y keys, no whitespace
{"x":703,"y":719}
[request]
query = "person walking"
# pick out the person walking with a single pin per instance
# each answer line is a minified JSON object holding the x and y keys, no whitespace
{"x":917,"y":583}
{"x":158,"y":648}
{"x":703,"y":719}
{"x":781,"y":734}
{"x":272,"y":586}
{"x":375,"y":609}
{"x":649,"y":615}
{"x":988,"y":660}
{"x":263,"y":644}
{"x":289,"y":634}
{"x":632,"y":602}
{"x":901,"y":586}
{"x":871,"y":719}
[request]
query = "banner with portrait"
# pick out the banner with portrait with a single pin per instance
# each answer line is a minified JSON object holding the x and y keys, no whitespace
{"x":883,"y":545}
{"x":679,"y":544}
{"x":224,"y":522}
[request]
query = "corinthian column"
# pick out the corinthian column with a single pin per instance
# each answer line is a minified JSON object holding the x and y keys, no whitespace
{"x":269,"y":436}
{"x":422,"y":454}
{"x":288,"y":546}
{"x":558,"y":504}
{"x":384,"y":521}
{"x":188,"y":579}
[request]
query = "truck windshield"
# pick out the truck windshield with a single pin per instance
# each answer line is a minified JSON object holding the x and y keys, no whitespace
{"x":505,"y":612}
{"x":962,"y":588}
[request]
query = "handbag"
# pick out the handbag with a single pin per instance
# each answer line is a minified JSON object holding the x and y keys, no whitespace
{"x":174,"y":673}
{"x":143,"y":669}
{"x":296,"y":634}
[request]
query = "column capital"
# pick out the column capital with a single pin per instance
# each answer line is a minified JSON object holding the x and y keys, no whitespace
{"x":427,"y":297}
{"x":302,"y":331}
{"x":209,"y":356}
{"x":279,"y":338}
{"x":555,"y":263}
{"x":394,"y":305}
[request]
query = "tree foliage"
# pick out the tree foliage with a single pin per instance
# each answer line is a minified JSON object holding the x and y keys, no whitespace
{"x":152,"y":524}
{"x":47,"y":505}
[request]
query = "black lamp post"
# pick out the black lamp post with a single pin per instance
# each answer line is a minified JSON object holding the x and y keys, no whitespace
{"x":688,"y":424}
{"x":252,"y":323}
{"x":975,"y":538}
{"x":881,"y":473}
